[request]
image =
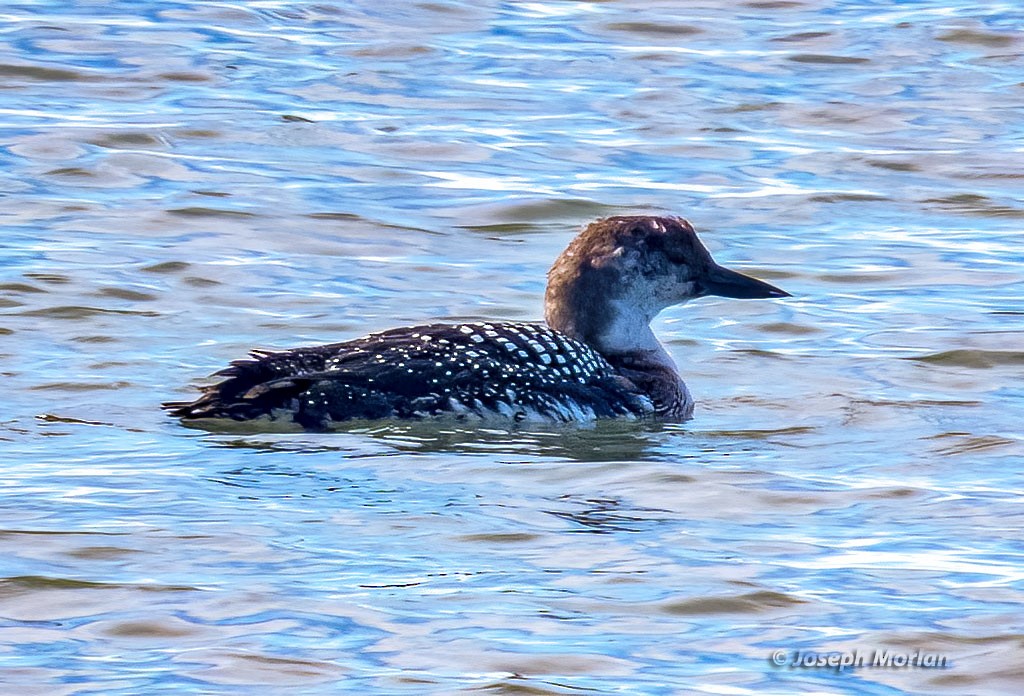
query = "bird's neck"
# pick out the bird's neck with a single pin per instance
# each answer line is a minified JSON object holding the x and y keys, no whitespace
{"x":583,"y":303}
{"x":619,"y":328}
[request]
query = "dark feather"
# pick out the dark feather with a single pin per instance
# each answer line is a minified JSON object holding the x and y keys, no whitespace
{"x":423,"y":371}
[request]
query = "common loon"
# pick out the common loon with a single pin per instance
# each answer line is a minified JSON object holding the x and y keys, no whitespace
{"x":595,"y":358}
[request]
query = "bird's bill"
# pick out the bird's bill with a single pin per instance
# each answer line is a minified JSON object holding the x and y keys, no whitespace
{"x":725,"y":283}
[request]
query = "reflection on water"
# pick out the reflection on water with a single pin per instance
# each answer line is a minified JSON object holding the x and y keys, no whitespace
{"x":187,"y":181}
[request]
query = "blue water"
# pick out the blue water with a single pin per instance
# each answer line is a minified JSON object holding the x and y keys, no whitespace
{"x":185,"y":181}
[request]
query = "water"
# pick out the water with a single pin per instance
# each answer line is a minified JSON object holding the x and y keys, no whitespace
{"x":185,"y":181}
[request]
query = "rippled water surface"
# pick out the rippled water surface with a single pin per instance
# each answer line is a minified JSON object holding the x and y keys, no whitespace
{"x":184,"y":181}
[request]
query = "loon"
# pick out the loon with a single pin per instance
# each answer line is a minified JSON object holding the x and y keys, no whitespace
{"x":595,"y":358}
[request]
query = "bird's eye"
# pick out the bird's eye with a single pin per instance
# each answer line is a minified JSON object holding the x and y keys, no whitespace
{"x":654,"y":242}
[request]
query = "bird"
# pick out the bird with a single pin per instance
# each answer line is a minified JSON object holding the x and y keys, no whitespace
{"x":594,"y":357}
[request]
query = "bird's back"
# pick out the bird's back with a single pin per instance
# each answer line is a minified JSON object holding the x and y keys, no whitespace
{"x":515,"y":371}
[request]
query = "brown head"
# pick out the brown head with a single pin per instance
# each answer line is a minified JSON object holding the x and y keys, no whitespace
{"x":621,"y":271}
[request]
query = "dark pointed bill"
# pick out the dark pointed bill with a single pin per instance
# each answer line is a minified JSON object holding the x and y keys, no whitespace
{"x":725,"y":283}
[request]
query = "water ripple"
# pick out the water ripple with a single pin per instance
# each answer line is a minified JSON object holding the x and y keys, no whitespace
{"x":189,"y":180}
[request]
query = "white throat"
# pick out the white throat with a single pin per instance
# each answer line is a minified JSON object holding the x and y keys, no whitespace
{"x":628,"y":331}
